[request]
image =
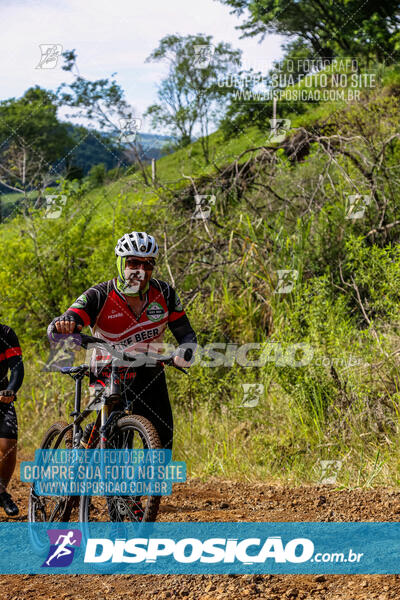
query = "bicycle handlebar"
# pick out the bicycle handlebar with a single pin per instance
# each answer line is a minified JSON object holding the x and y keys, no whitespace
{"x":84,"y":340}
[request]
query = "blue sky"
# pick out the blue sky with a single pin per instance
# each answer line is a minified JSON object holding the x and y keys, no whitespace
{"x":111,"y":36}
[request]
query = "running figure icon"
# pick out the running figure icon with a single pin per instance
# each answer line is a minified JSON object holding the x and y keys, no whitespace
{"x":62,"y":549}
{"x":60,"y":553}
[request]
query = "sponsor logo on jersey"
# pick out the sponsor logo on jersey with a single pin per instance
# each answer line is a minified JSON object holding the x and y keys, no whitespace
{"x":147,"y":334}
{"x":155,"y":311}
{"x":81,"y":301}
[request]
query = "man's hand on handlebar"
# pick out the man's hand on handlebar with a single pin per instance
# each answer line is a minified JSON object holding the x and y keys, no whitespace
{"x":66,"y":325}
{"x":63,"y":325}
{"x":181,"y":362}
{"x":183,"y":357}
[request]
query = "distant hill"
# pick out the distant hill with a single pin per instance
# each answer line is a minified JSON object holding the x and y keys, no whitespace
{"x":154,"y":145}
{"x":93,"y":147}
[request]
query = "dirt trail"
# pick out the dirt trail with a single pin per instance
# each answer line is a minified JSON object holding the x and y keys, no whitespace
{"x":229,"y":501}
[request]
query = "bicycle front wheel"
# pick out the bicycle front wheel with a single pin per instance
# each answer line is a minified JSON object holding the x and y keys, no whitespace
{"x":131,"y":432}
{"x":52,"y":508}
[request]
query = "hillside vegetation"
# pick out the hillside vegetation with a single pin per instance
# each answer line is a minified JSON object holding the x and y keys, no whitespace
{"x":285,"y":206}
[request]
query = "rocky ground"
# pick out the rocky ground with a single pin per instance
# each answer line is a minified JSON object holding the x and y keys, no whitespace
{"x":218,"y":500}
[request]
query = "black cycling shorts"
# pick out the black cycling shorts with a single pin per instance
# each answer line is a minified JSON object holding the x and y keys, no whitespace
{"x":145,"y":393}
{"x":148,"y":394}
{"x":8,"y":421}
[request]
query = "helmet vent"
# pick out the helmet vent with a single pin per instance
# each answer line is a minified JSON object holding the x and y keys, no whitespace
{"x":137,"y":244}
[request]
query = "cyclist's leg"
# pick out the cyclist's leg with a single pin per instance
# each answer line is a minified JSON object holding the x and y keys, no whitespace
{"x":8,"y":459}
{"x":148,"y":393}
{"x":8,"y":443}
{"x":8,"y":454}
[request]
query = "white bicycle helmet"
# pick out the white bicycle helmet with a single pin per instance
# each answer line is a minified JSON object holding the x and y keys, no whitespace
{"x":137,"y":243}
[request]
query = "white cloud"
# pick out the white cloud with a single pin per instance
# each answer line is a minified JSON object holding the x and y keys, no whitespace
{"x":108,"y":37}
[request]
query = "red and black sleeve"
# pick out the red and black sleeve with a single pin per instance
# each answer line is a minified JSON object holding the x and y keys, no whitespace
{"x":178,"y":321}
{"x":85,"y":310}
{"x":11,"y":357}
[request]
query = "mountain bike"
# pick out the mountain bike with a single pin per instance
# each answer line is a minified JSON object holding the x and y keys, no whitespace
{"x":115,"y":428}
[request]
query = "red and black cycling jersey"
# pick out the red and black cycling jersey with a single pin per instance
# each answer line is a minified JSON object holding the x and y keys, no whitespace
{"x":10,"y":358}
{"x":105,"y":309}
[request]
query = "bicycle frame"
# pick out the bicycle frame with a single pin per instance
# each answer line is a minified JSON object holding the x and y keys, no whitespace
{"x":102,"y":403}
{"x":104,"y":407}
{"x":78,"y":373}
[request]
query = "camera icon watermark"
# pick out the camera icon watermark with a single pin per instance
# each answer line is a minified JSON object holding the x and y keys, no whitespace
{"x":204,"y":203}
{"x":54,"y":206}
{"x":129,"y":129}
{"x":329,"y":470}
{"x":279,"y":129}
{"x":203,"y":55}
{"x":286,"y":280}
{"x":252,"y":392}
{"x":357,"y":205}
{"x":50,"y":53}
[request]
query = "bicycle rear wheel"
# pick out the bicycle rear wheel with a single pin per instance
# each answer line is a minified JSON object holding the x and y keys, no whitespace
{"x":131,"y":432}
{"x":52,"y":508}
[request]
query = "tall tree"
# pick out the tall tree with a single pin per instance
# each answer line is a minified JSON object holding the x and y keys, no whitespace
{"x":190,"y":95}
{"x":102,"y":102}
{"x":333,"y":27}
{"x":32,"y":141}
{"x":240,"y":115}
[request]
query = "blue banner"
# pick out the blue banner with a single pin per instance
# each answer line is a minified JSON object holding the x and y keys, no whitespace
{"x":192,"y":548}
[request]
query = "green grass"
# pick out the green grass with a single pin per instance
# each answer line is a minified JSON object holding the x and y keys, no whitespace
{"x":305,"y":416}
{"x":268,"y":442}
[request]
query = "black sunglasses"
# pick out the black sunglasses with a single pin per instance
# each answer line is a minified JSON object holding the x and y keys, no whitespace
{"x":135,"y":263}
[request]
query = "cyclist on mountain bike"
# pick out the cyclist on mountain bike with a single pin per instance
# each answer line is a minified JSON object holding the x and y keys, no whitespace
{"x":10,"y":358}
{"x":133,"y":311}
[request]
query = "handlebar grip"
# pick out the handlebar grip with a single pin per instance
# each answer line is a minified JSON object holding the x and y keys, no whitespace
{"x":188,"y":354}
{"x":90,"y":339}
{"x":185,"y":353}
